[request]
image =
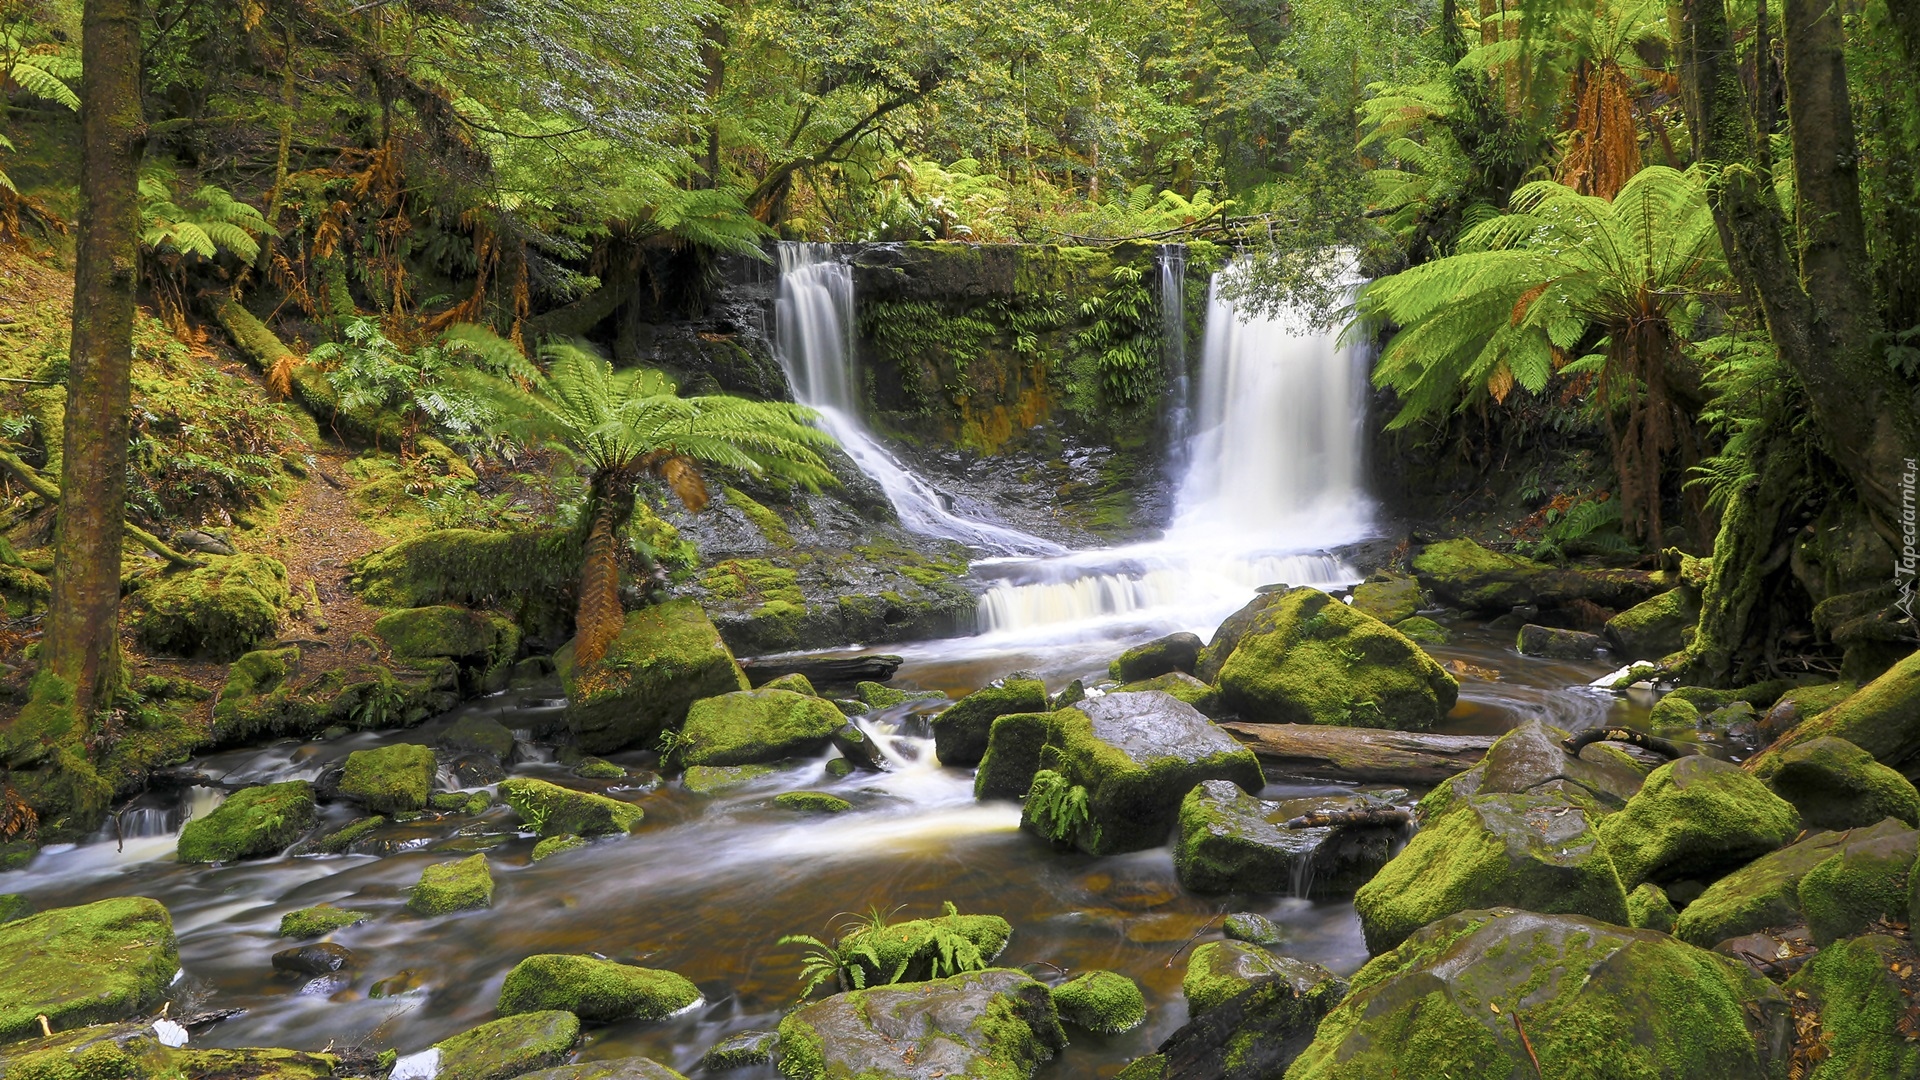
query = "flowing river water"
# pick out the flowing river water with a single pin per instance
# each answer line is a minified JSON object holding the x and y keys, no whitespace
{"x":708,"y":884}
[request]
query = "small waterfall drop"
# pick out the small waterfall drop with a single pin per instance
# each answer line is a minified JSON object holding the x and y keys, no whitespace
{"x":1173,"y":336}
{"x":813,"y":339}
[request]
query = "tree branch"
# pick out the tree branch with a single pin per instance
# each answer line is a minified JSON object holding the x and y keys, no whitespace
{"x":40,"y":486}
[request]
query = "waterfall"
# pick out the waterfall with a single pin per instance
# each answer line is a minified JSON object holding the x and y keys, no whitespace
{"x":813,"y":339}
{"x":1271,"y":475}
{"x":1173,"y":345}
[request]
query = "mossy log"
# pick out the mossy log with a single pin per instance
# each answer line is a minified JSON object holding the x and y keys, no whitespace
{"x":1360,"y":755}
{"x":44,"y":488}
{"x":306,"y":383}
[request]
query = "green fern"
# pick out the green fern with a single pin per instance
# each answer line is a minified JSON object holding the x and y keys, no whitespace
{"x":203,"y":225}
{"x":1057,"y":806}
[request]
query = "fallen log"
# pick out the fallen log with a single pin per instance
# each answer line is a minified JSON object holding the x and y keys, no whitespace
{"x":822,"y":670}
{"x":1393,"y":817}
{"x":1360,"y":755}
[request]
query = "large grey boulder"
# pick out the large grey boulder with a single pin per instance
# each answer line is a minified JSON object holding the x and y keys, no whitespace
{"x":998,"y":1023}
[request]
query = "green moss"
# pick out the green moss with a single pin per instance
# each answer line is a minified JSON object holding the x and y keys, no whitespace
{"x":508,"y":1047}
{"x":1878,"y":718}
{"x":597,"y":991}
{"x":14,"y":906}
{"x":1649,"y":909}
{"x":253,"y":821}
{"x":481,"y":734}
{"x":338,"y":841}
{"x":1861,"y":1006}
{"x":793,"y":681}
{"x":984,"y":1025}
{"x":879,"y":696}
{"x":960,"y":732}
{"x":104,"y":961}
{"x":931,"y":571}
{"x":765,"y":520}
{"x":714,"y":779}
{"x":1540,"y":852}
{"x":1836,"y":785}
{"x":922,"y":949}
{"x":315,"y":921}
{"x":554,"y":845}
{"x":753,"y":579}
{"x":529,"y":573}
{"x":219,"y":612}
{"x":812,"y":802}
{"x":1103,"y":1002}
{"x":1655,"y":628}
{"x":552,"y":810}
{"x":1423,"y":631}
{"x":442,"y":630}
{"x":1865,"y":881}
{"x":1696,"y":817}
{"x":667,"y":657}
{"x":1391,"y":601}
{"x":1181,"y":687}
{"x":1309,"y":659}
{"x":1674,"y":713}
{"x":1174,"y":652}
{"x":1219,"y":971}
{"x":389,"y":779}
{"x":739,"y":1050}
{"x":452,"y":886}
{"x":756,"y":726}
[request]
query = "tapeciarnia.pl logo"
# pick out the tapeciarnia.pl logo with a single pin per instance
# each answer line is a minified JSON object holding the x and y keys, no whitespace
{"x":1904,"y":567}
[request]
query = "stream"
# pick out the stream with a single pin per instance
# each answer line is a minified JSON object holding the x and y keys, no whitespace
{"x":708,"y":884}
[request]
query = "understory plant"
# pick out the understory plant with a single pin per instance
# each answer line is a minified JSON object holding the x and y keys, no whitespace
{"x":873,"y":951}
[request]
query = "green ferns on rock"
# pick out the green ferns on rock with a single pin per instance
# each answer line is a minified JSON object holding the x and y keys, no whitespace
{"x":874,"y":952}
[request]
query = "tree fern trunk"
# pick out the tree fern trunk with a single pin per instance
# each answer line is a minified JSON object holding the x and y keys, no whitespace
{"x":598,"y":618}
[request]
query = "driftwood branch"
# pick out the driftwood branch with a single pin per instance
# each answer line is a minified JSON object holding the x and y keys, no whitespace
{"x":1321,"y":819}
{"x":44,"y":488}
{"x":1666,"y":748}
{"x":1360,"y":755}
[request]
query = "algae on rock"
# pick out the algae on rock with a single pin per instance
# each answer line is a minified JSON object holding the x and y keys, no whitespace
{"x":753,"y":727}
{"x":108,"y":960}
{"x":509,"y":1047}
{"x":1103,"y":1002}
{"x":597,"y":991}
{"x":982,"y":1025}
{"x":218,"y":611}
{"x":389,"y":779}
{"x":452,"y":886}
{"x":960,"y":732}
{"x":551,"y":810}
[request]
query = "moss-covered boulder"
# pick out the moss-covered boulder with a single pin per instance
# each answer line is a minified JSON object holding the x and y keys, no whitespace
{"x":1531,"y":759}
{"x":1103,"y":1002}
{"x":793,"y":681}
{"x":1423,"y":631}
{"x":1180,"y":686}
{"x":1464,"y":574}
{"x":714,"y":779}
{"x":1541,"y":851}
{"x":915,"y":946}
{"x":1389,"y":597}
{"x":597,"y":991}
{"x":1766,"y":892}
{"x":318,"y":920}
{"x":1655,"y":628}
{"x":1175,"y":652}
{"x":1119,"y":766}
{"x":1597,"y":1002}
{"x":984,"y":1025}
{"x":1555,"y":643}
{"x":1261,"y":1011}
{"x":1230,"y":841}
{"x":1648,"y":908}
{"x":444,"y":630}
{"x":960,"y":732}
{"x":1836,"y":785}
{"x":1859,"y":1003}
{"x":1309,"y":659}
{"x":1866,"y":881}
{"x":253,"y":821}
{"x":1226,"y":636}
{"x":667,"y":657}
{"x":1882,"y":718}
{"x":130,"y":1051}
{"x":881,"y":696}
{"x":551,"y":810}
{"x":626,"y":1068}
{"x":752,"y":727}
{"x":1219,"y":971}
{"x":812,"y":802}
{"x":509,"y":1047}
{"x":550,"y":846}
{"x":479,"y":735}
{"x":1696,"y":818}
{"x":447,"y":887}
{"x":108,"y":960}
{"x":739,"y":1050}
{"x":14,"y":906}
{"x":215,"y":612}
{"x":389,"y":779}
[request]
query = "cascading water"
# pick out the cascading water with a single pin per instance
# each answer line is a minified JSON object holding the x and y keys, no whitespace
{"x":1272,"y":477}
{"x":1173,"y":337}
{"x":813,"y":339}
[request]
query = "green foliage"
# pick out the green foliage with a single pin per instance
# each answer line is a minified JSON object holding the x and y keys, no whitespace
{"x":873,"y":951}
{"x":1057,"y":805}
{"x":1122,"y":340}
{"x":203,"y":225}
{"x":372,"y":375}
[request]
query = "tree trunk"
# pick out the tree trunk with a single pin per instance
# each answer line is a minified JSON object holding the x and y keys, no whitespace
{"x":599,"y":617}
{"x":82,"y":638}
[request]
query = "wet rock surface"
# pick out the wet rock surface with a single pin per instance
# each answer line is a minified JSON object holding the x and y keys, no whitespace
{"x":995,"y":1022}
{"x":1230,"y":841}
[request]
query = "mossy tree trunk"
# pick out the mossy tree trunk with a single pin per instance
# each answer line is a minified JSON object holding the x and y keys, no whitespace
{"x":81,"y":644}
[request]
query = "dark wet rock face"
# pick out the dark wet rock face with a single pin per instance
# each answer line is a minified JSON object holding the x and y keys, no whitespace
{"x":1836,"y":785}
{"x":1532,"y":755}
{"x":1233,"y":842}
{"x":960,"y":733}
{"x":1175,"y":652}
{"x":1559,"y":644}
{"x":320,"y":958}
{"x":1259,"y":1013}
{"x":987,"y":1023}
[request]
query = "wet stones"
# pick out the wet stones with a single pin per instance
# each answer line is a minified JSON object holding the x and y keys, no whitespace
{"x":1252,"y":928}
{"x":857,"y":748}
{"x":739,"y":1050}
{"x":996,"y":1022}
{"x":320,"y":958}
{"x":751,"y":727}
{"x":253,"y":821}
{"x":319,"y":920}
{"x":812,"y":802}
{"x":960,"y":733}
{"x":1696,"y":818}
{"x":444,"y":888}
{"x":630,"y":1068}
{"x":551,"y":810}
{"x":667,"y":657}
{"x":1557,"y":644}
{"x":1836,"y":785}
{"x":1103,"y":1002}
{"x":1233,"y":842}
{"x":1175,"y":652}
{"x":1261,"y":1012}
{"x":481,"y":735}
{"x":390,"y":779}
{"x":1655,"y":628}
{"x":509,"y":1047}
{"x":597,"y":991}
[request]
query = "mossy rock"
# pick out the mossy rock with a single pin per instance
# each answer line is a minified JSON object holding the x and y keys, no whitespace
{"x":1175,"y":652}
{"x":389,"y":779}
{"x":753,"y":727}
{"x":1649,"y":909}
{"x":1219,"y":971}
{"x":597,"y":991}
{"x":1309,"y":659}
{"x":14,"y":906}
{"x":1133,"y":757}
{"x":444,"y":630}
{"x":1836,"y":785}
{"x":960,"y":732}
{"x":129,"y":1051}
{"x":552,"y":810}
{"x":1252,"y":928}
{"x":479,"y":734}
{"x":534,"y":571}
{"x":1532,"y":759}
{"x":1543,"y":851}
{"x":1860,"y":1006}
{"x":1423,"y":631}
{"x":1674,"y":714}
{"x":914,"y":946}
{"x":812,"y":802}
{"x":1103,"y":1002}
{"x":983,"y":1025}
{"x":739,"y":1050}
{"x":317,"y":921}
{"x":793,"y":681}
{"x":1696,"y":818}
{"x":1393,"y":599}
{"x":509,"y":1047}
{"x":881,"y":696}
{"x":1800,"y":704}
{"x":1882,"y":718}
{"x":1597,"y":1002}
{"x":667,"y":657}
{"x":1557,"y":644}
{"x":99,"y":962}
{"x":627,"y":1068}
{"x":599,"y":769}
{"x":1230,"y":841}
{"x":1866,"y":881}
{"x":714,"y":779}
{"x":1463,"y":574}
{"x":1655,"y":628}
{"x":265,"y":697}
{"x":1180,"y":686}
{"x":447,"y":887}
{"x":253,"y":821}
{"x":217,"y":612}
{"x":1764,"y":893}
{"x":554,"y":845}
{"x":341,"y":840}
